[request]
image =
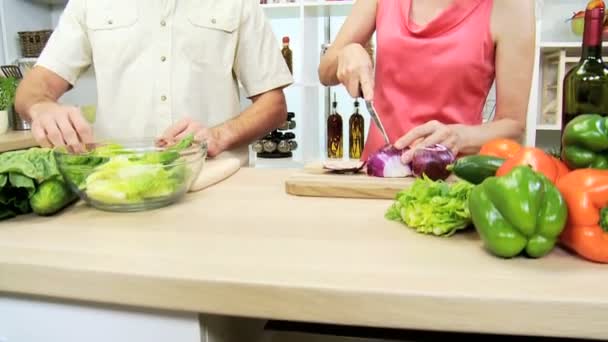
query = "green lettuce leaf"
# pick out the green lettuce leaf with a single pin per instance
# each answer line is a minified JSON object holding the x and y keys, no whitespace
{"x":123,"y":180}
{"x":37,"y":164}
{"x":433,"y":207}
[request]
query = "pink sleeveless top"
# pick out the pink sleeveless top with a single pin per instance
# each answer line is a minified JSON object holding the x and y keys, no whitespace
{"x":441,"y":71}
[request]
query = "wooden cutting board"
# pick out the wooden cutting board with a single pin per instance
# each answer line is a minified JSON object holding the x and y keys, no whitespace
{"x":314,"y":181}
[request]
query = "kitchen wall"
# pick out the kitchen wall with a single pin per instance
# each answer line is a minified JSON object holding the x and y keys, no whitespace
{"x":555,"y":27}
{"x":37,"y":18}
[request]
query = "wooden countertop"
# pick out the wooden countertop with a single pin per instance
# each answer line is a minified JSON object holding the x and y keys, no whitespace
{"x":245,"y":247}
{"x":16,"y":140}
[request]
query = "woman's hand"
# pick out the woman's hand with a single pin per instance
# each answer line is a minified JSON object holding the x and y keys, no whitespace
{"x":186,"y":126}
{"x":355,"y":71}
{"x":431,"y":133}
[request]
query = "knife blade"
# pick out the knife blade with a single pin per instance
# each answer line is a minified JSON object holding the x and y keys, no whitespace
{"x":374,"y":115}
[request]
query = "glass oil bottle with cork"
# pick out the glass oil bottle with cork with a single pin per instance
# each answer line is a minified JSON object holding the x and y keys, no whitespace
{"x":335,"y":139}
{"x":287,"y":54}
{"x":356,"y":130}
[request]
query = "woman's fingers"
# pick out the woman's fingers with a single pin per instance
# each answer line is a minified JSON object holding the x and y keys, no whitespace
{"x":352,"y":86}
{"x":367,"y":84}
{"x":416,"y":133}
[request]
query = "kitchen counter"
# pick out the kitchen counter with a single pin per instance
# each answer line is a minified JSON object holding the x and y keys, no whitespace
{"x":246,"y":248}
{"x":16,"y":140}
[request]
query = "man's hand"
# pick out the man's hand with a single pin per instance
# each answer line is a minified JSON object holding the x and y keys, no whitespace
{"x":54,"y":125}
{"x":355,"y":71}
{"x":186,"y":126}
{"x":431,"y":133}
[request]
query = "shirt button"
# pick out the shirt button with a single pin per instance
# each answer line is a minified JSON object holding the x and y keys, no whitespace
{"x":163,"y":23}
{"x":163,"y":98}
{"x":213,"y":21}
{"x":110,"y":22}
{"x":163,"y":58}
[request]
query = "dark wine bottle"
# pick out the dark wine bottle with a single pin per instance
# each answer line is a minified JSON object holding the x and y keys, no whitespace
{"x":586,"y":84}
{"x":335,"y":140}
{"x":356,"y":133}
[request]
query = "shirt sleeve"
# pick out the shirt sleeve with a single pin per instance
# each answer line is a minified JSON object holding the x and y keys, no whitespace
{"x":259,"y":64}
{"x":68,"y":51}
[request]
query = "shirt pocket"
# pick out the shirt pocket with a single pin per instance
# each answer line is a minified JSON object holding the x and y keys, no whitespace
{"x":213,"y":29}
{"x":111,"y":25}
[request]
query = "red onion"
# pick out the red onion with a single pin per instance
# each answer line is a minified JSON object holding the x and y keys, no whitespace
{"x":386,"y":162}
{"x":432,"y":161}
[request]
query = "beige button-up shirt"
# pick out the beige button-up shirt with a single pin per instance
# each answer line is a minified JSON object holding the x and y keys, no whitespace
{"x":157,"y":61}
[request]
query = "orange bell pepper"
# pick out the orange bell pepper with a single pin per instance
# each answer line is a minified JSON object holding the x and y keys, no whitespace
{"x":586,"y":194}
{"x":538,"y":160}
{"x":562,"y":169}
{"x":502,"y":148}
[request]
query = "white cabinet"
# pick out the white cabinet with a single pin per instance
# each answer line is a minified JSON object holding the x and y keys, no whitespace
{"x":25,"y":320}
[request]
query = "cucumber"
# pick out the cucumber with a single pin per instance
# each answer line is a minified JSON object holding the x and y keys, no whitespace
{"x":52,"y":196}
{"x":476,"y":168}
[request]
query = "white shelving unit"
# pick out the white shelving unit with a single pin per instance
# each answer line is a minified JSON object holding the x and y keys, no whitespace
{"x":558,"y":49}
{"x":304,"y":21}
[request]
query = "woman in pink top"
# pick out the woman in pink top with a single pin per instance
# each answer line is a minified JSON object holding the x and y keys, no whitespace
{"x":436,"y":62}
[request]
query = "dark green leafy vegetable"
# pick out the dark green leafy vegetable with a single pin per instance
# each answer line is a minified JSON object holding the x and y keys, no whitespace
{"x":433,"y":207}
{"x":21,"y":173}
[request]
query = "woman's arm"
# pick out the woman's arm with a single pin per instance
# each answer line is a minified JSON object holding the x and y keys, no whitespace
{"x":346,"y":61}
{"x":515,"y":45}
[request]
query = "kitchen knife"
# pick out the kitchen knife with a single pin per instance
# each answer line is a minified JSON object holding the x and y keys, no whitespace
{"x":374,"y":115}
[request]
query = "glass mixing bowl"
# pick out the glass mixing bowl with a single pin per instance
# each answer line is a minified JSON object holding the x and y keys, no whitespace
{"x":128,"y":176}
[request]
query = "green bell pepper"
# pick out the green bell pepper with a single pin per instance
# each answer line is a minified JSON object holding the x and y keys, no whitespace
{"x":585,"y":142}
{"x":519,"y":211}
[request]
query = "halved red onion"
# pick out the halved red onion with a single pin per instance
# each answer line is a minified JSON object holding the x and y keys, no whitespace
{"x":386,"y":163}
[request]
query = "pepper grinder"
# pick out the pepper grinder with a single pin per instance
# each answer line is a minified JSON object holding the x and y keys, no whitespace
{"x":279,"y":143}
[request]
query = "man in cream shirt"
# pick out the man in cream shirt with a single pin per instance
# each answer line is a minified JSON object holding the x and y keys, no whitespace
{"x":163,"y":68}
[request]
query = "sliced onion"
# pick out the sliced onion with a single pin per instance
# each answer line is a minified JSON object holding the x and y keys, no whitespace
{"x":386,"y":163}
{"x":344,"y":166}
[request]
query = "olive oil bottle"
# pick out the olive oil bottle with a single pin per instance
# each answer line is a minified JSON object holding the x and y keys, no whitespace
{"x":287,"y":54}
{"x":335,"y":139}
{"x":356,"y":131}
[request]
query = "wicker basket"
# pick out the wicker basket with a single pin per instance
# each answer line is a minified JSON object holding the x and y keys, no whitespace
{"x":33,"y":42}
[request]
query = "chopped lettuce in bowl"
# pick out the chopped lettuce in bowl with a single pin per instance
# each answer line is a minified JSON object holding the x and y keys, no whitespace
{"x":133,"y":176}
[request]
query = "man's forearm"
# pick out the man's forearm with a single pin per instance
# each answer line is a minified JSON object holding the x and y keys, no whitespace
{"x":35,"y":89}
{"x":504,"y":128}
{"x":267,"y":112}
